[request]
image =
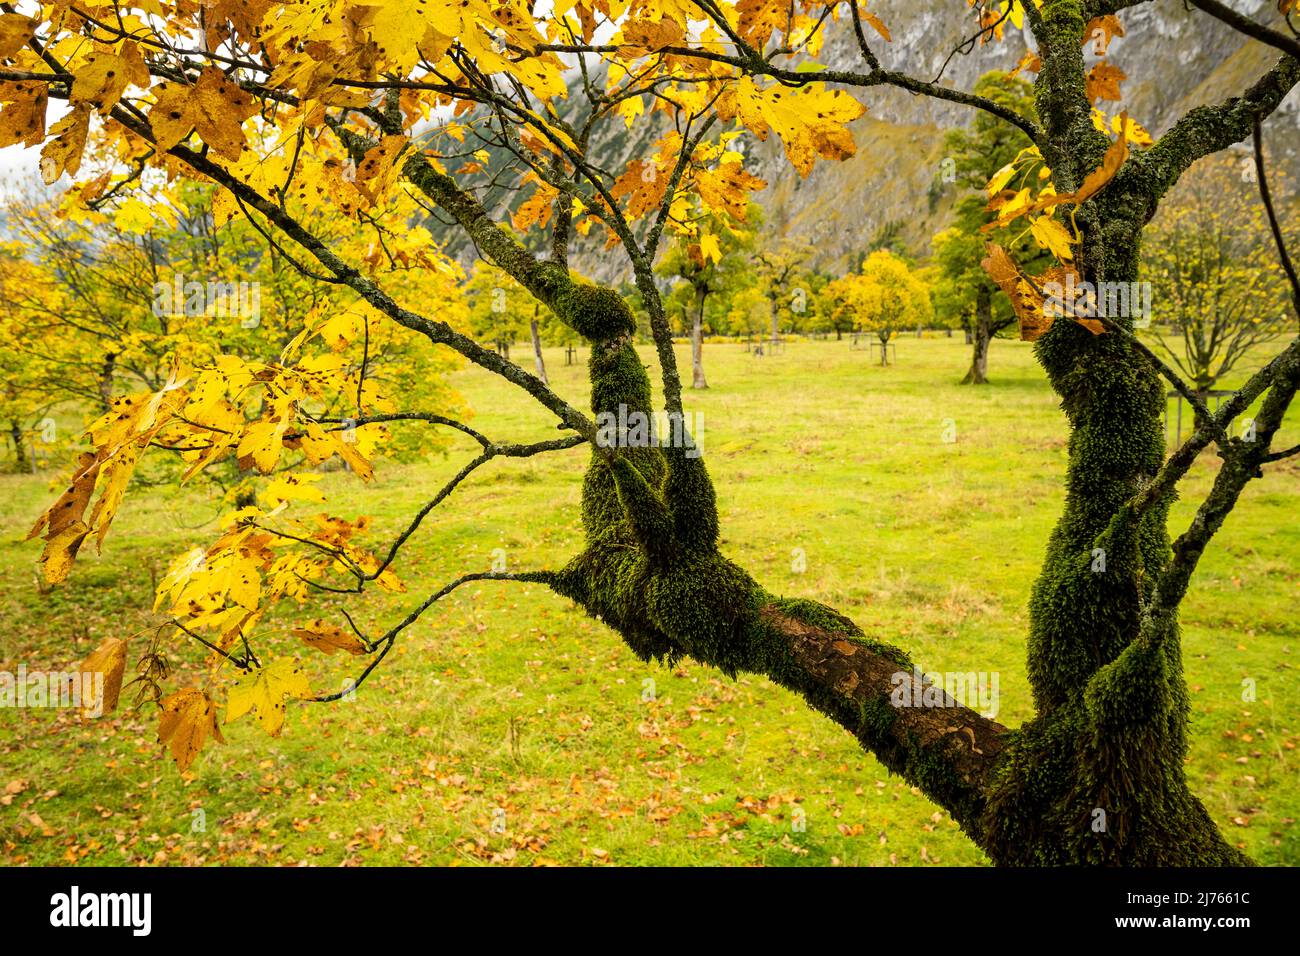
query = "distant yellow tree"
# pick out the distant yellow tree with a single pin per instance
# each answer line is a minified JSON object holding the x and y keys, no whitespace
{"x":885,"y":296}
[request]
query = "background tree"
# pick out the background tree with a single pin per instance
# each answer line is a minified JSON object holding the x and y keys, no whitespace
{"x":24,"y":399}
{"x":885,"y":296}
{"x":964,"y":292}
{"x":106,"y":299}
{"x":498,"y":311}
{"x":709,"y":263}
{"x":829,"y":315}
{"x":782,"y":277}
{"x":1209,"y":257}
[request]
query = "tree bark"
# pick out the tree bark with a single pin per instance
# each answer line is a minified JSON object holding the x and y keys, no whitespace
{"x":983,"y":333}
{"x":20,"y":446}
{"x":106,"y":379}
{"x":537,"y":352}
{"x":697,"y":344}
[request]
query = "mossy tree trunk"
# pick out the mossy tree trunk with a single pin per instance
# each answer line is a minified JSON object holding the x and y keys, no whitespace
{"x":979,"y":338}
{"x":1097,"y":776}
{"x":652,"y":571}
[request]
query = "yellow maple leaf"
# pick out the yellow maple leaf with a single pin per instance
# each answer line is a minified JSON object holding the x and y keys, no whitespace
{"x":1000,"y":179}
{"x":328,"y":638}
{"x":293,"y":487}
{"x":134,"y":216}
{"x":215,"y":108}
{"x":630,"y":108}
{"x":810,"y":120}
{"x":71,"y":505}
{"x":22,"y":120}
{"x":1111,"y":161}
{"x":265,"y":691}
{"x":106,"y":74}
{"x":106,"y":664}
{"x":402,"y":30}
{"x":726,"y":189}
{"x":1051,"y":235}
{"x":262,"y":442}
{"x":1102,"y":83}
{"x":63,"y":153}
{"x":16,"y":31}
{"x":61,"y":551}
{"x":351,"y":445}
{"x":378,"y":170}
{"x":1130,"y":129}
{"x":188,"y":716}
{"x":710,"y":251}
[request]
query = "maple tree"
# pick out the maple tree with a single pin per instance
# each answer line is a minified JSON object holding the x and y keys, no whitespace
{"x":366,"y":110}
{"x":708,"y":264}
{"x":786,"y":284}
{"x":1209,"y":260}
{"x":979,"y":154}
{"x":108,"y":298}
{"x":24,"y":404}
{"x":502,"y":312}
{"x":882,"y":297}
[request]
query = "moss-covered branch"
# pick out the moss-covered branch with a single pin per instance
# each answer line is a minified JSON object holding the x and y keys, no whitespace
{"x":1205,"y":130}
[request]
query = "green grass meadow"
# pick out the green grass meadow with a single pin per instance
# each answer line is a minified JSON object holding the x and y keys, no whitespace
{"x":503,"y":697}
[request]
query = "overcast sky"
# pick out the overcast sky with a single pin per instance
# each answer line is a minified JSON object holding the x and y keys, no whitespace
{"x":17,"y":162}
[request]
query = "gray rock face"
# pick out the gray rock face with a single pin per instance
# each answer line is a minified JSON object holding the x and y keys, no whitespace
{"x":1175,"y":58}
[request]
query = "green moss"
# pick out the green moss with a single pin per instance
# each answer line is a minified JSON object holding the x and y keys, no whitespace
{"x":876,"y":717}
{"x":594,"y":312}
{"x":1083,"y":611}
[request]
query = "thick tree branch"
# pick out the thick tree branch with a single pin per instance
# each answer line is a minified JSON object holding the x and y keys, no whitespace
{"x":1205,"y":130}
{"x":1244,"y":24}
{"x":944,"y":747}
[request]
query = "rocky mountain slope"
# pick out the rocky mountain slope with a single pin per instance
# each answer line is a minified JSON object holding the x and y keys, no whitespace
{"x":1176,"y":58}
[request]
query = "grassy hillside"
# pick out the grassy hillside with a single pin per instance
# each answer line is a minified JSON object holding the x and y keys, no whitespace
{"x":503,"y":697}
